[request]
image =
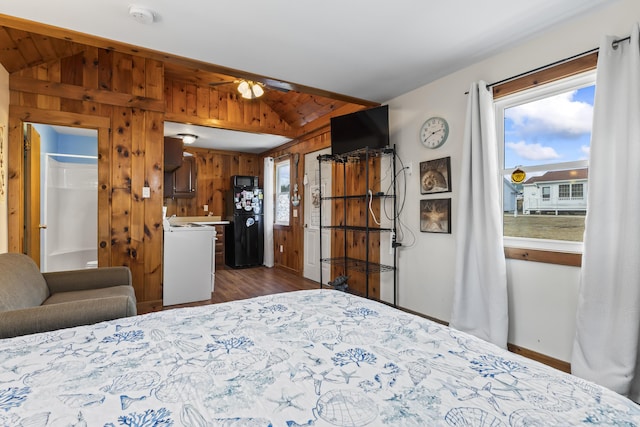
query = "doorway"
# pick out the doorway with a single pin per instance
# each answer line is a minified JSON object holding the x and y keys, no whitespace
{"x":65,"y":169}
{"x":312,"y":231}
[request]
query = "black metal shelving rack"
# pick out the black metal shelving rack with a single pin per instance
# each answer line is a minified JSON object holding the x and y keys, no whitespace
{"x":368,"y":267}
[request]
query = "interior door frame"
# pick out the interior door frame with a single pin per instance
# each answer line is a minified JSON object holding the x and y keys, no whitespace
{"x":323,"y":268}
{"x":18,"y":117}
{"x":32,"y":193}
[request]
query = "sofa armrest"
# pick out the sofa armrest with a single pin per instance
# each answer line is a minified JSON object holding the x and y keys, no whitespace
{"x":64,"y":315}
{"x":90,"y":278}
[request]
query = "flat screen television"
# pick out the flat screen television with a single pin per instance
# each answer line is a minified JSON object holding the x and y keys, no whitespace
{"x":364,"y":128}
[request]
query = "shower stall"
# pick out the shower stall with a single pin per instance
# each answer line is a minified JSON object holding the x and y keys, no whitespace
{"x":70,"y":202}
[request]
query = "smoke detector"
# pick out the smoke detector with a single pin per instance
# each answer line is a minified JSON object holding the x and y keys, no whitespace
{"x":141,"y":14}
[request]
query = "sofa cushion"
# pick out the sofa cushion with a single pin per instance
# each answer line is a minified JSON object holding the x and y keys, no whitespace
{"x":90,"y":294}
{"x":21,"y":283}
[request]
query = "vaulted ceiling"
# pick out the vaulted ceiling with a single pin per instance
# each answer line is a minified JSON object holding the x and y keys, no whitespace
{"x":26,"y":45}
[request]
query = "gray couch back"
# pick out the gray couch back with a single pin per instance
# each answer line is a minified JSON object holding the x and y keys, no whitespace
{"x":21,"y":283}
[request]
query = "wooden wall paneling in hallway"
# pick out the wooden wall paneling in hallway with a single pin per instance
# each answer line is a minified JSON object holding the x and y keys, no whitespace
{"x":121,"y":96}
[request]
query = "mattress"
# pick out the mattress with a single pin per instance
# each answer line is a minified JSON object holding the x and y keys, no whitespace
{"x":317,"y":357}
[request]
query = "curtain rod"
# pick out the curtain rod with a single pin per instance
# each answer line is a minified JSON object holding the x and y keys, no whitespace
{"x":282,"y":156}
{"x":614,"y":44}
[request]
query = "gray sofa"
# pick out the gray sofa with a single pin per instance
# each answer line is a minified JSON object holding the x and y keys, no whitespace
{"x":31,"y":301}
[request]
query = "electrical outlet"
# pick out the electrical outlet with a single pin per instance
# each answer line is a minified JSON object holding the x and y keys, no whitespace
{"x":409,"y":168}
{"x":146,"y":192}
{"x":206,"y":208}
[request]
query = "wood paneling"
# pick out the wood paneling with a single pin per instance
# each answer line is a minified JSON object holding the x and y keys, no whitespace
{"x":215,"y":107}
{"x":213,"y":181}
{"x":119,"y":96}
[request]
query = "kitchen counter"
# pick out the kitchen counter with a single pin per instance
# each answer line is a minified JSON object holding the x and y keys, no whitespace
{"x":205,"y":220}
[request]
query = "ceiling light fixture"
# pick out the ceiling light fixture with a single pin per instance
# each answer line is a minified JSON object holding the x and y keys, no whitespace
{"x":188,"y":138}
{"x":250,"y":90}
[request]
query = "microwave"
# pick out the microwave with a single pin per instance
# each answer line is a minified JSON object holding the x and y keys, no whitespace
{"x":244,"y":181}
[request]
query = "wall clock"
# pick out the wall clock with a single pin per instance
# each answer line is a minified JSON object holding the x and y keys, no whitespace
{"x":434,"y":132}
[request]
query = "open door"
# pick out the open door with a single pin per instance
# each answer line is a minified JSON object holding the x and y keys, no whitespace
{"x":32,"y":194}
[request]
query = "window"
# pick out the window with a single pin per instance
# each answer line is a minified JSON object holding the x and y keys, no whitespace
{"x":577,"y":191}
{"x":546,"y":131}
{"x":283,"y":170}
{"x":546,"y":193}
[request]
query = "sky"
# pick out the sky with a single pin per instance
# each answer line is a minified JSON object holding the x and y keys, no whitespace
{"x":552,"y":130}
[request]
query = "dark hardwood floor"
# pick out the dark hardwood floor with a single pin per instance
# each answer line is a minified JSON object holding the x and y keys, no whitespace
{"x":245,"y":283}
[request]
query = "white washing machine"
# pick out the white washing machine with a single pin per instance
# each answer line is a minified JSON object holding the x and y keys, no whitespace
{"x":188,"y":263}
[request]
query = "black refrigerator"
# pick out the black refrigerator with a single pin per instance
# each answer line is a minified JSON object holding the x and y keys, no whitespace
{"x":244,"y":236}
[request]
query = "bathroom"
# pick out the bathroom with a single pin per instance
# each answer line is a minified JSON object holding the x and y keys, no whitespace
{"x":68,"y":197}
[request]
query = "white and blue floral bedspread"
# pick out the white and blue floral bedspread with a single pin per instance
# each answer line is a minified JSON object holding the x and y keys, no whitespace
{"x":318,"y":358}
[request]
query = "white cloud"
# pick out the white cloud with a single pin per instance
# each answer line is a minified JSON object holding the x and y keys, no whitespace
{"x":533,"y":151}
{"x":586,"y":150}
{"x":558,"y":114}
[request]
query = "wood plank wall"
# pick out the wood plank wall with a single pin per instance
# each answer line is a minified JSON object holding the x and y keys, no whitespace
{"x":206,"y":106}
{"x":291,"y":237}
{"x":213,"y":181}
{"x":121,"y":96}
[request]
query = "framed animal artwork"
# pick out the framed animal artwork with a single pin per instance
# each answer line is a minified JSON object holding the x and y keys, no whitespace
{"x":435,"y":176}
{"x":435,"y":216}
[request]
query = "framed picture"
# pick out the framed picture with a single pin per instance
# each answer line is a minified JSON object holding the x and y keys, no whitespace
{"x":435,"y":216}
{"x":435,"y":176}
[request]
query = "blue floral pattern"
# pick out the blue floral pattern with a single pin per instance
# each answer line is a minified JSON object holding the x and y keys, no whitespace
{"x":319,"y":357}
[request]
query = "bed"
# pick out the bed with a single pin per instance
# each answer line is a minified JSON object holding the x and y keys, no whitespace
{"x":305,"y":358}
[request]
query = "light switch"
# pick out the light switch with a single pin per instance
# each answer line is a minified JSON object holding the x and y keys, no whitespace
{"x":295,"y":213}
{"x":146,"y":192}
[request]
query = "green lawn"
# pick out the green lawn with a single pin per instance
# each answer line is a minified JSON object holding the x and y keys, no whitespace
{"x":560,"y":227}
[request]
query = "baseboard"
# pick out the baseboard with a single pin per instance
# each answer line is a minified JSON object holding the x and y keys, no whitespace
{"x":560,"y":365}
{"x":149,"y":306}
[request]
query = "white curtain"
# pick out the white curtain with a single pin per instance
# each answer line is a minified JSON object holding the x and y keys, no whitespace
{"x":608,"y":320}
{"x":480,"y":286}
{"x":268,"y":211}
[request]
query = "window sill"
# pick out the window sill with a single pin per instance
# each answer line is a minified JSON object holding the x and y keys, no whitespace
{"x":546,"y":251}
{"x":549,"y":257}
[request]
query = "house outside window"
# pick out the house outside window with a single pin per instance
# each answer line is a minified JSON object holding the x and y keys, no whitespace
{"x":546,"y":131}
{"x":282,"y":205}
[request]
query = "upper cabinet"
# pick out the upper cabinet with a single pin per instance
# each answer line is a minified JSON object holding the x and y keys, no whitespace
{"x":182,"y":181}
{"x":172,"y":153}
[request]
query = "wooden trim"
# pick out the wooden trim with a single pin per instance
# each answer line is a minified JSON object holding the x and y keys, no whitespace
{"x":561,"y":71}
{"x":63,"y":90}
{"x":55,"y":117}
{"x":561,"y":365}
{"x":549,"y":257}
{"x":17,"y":116}
{"x":223,"y":124}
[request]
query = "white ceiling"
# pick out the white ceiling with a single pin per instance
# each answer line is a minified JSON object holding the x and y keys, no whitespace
{"x":227,"y":140}
{"x":369,"y":49}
